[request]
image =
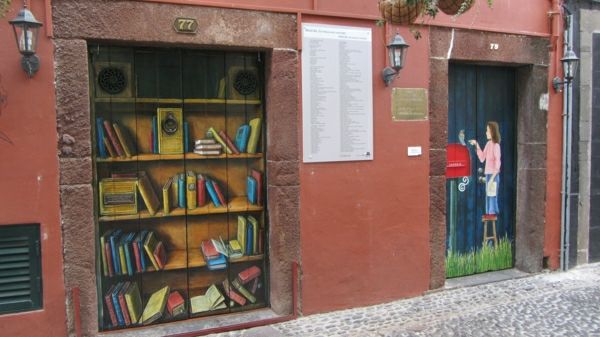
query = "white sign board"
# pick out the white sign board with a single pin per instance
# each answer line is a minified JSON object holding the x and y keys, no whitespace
{"x":337,"y":93}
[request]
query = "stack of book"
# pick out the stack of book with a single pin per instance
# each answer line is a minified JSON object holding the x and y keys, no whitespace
{"x":249,"y":235}
{"x":130,"y":253}
{"x":207,"y":147}
{"x":244,"y":286}
{"x":211,"y":300}
{"x":112,"y":140}
{"x":123,"y":303}
{"x":214,"y":259}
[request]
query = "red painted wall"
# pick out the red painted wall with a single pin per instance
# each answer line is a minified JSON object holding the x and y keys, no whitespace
{"x":364,"y":225}
{"x":29,"y":171}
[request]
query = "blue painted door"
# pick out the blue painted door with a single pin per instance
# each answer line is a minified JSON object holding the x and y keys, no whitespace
{"x":480,"y":236}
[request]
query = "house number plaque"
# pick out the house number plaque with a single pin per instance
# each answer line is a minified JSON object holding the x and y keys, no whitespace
{"x":185,"y":25}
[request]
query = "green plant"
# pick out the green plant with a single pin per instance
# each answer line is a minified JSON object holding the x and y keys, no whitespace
{"x":486,"y":258}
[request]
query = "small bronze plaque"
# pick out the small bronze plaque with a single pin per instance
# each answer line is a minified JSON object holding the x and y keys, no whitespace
{"x":185,"y":25}
{"x":409,"y":104}
{"x":119,"y":199}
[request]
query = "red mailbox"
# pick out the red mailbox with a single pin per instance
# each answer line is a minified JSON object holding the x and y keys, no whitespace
{"x":458,"y":161}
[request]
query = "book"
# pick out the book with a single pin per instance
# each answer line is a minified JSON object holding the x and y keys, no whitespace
{"x":257,"y":175}
{"x":237,"y":298}
{"x":160,"y":255}
{"x":114,"y":250}
{"x":128,"y":249}
{"x":155,"y":134}
{"x":149,"y":246}
{"x":251,"y":190}
{"x":206,"y":141}
{"x":181,"y":190}
{"x":155,"y":306}
{"x":211,"y":300}
{"x":123,"y":303}
{"x":148,"y":195}
{"x":201,"y":190}
{"x":219,"y":193}
{"x":235,"y":249}
{"x":212,"y":193}
{"x":249,"y":238}
{"x":114,"y":141}
{"x":175,"y":304}
{"x":186,"y":137}
{"x":221,"y":88}
{"x":102,"y":152}
{"x":218,"y":263}
{"x":103,"y":241}
{"x":241,"y":232}
{"x":111,"y":152}
{"x":228,"y":141}
{"x":143,"y":260}
{"x":208,"y":250}
{"x":241,"y":137}
{"x":122,"y":258}
{"x":116,"y":305}
{"x":108,"y":251}
{"x":134,"y":302}
{"x":219,"y":140}
{"x":239,"y":287}
{"x":137,"y":253}
{"x":249,"y":274}
{"x":123,"y":140}
{"x":191,"y":194}
{"x":220,"y":246}
{"x":255,"y":226}
{"x":118,"y":196}
{"x":166,"y":193}
{"x":208,"y":147}
{"x":208,"y":152}
{"x":110,"y":306}
{"x":254,"y":135}
{"x":255,"y":285}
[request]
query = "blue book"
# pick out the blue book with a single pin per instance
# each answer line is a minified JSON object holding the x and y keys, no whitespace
{"x":181,"y":189}
{"x":241,"y":137}
{"x":155,"y":133}
{"x":212,"y":193}
{"x":140,"y":244}
{"x":100,"y":135}
{"x":251,"y":190}
{"x":129,"y":256}
{"x":115,"y":300}
{"x":114,"y":247}
{"x":186,"y":137}
{"x":217,"y":263}
{"x":249,"y":239}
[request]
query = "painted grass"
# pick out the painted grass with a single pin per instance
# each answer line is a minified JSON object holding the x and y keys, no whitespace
{"x":485,"y":259}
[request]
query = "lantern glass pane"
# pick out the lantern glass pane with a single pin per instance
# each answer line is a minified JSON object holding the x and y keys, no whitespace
{"x":28,"y":37}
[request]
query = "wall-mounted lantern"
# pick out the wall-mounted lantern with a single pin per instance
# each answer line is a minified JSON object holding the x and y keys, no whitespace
{"x":26,"y":29}
{"x":397,"y":50}
{"x":570,"y":62}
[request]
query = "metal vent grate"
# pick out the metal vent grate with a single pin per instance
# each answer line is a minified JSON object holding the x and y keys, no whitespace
{"x":20,"y":276}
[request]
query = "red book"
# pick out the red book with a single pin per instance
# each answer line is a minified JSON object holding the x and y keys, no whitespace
{"x":175,"y":304}
{"x":123,"y":303}
{"x":123,"y":175}
{"x":249,"y":274}
{"x":114,"y":141}
{"x":229,"y":143}
{"x":258,"y":177}
{"x":151,"y":141}
{"x":138,"y":257}
{"x":110,"y":307}
{"x":208,"y":250}
{"x":201,"y":190}
{"x":219,"y":193}
{"x":109,"y":259}
{"x":160,"y":255}
{"x":237,"y":298}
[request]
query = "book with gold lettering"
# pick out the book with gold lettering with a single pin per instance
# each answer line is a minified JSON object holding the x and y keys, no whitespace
{"x":166,"y":192}
{"x":191,"y":194}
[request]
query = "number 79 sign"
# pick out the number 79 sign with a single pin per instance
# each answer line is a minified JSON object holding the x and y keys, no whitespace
{"x":185,"y":25}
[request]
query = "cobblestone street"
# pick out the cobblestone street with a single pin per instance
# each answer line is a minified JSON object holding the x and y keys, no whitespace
{"x":547,"y":304}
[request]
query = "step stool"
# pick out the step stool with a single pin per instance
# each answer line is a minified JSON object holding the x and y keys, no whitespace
{"x":486,"y":219}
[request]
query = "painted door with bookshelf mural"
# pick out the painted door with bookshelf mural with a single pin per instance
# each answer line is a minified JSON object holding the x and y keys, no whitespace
{"x":179,"y":182}
{"x":481,"y":151}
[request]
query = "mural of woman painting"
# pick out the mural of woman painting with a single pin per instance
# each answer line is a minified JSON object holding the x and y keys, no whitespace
{"x":491,"y":156}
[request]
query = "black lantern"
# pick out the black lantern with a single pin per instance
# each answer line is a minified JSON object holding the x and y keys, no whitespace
{"x":570,"y":63}
{"x":397,"y":50}
{"x":26,"y":29}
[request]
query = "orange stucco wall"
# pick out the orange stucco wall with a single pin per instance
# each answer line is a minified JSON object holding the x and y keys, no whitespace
{"x":29,"y":172}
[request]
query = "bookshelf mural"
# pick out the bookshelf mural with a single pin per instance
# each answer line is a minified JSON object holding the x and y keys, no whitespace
{"x":179,"y":176}
{"x":480,"y":170}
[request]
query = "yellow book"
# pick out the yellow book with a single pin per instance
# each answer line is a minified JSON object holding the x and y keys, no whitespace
{"x":156,"y":305}
{"x":148,"y":194}
{"x":103,"y":241}
{"x":167,"y":196}
{"x":118,"y":196}
{"x":134,"y":302}
{"x":149,"y":245}
{"x":122,"y":258}
{"x":175,"y":190}
{"x":122,"y":140}
{"x":191,"y":194}
{"x":241,"y":231}
{"x":221,"y":88}
{"x":254,"y":135}
{"x":220,"y":140}
{"x":254,"y":223}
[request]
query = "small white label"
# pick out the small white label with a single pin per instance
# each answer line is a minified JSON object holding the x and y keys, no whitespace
{"x":414,"y":151}
{"x":494,"y":46}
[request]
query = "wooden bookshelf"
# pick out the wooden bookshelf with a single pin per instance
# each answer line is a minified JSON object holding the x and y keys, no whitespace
{"x":190,"y":156}
{"x":235,"y":205}
{"x":182,"y":259}
{"x":220,"y":101}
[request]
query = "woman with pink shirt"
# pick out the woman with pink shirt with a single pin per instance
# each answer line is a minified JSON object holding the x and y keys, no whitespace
{"x":491,"y":156}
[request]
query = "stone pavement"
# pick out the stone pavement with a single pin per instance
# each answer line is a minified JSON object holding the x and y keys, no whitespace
{"x":547,"y":304}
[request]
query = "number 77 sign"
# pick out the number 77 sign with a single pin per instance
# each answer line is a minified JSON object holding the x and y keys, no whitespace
{"x":185,"y":25}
